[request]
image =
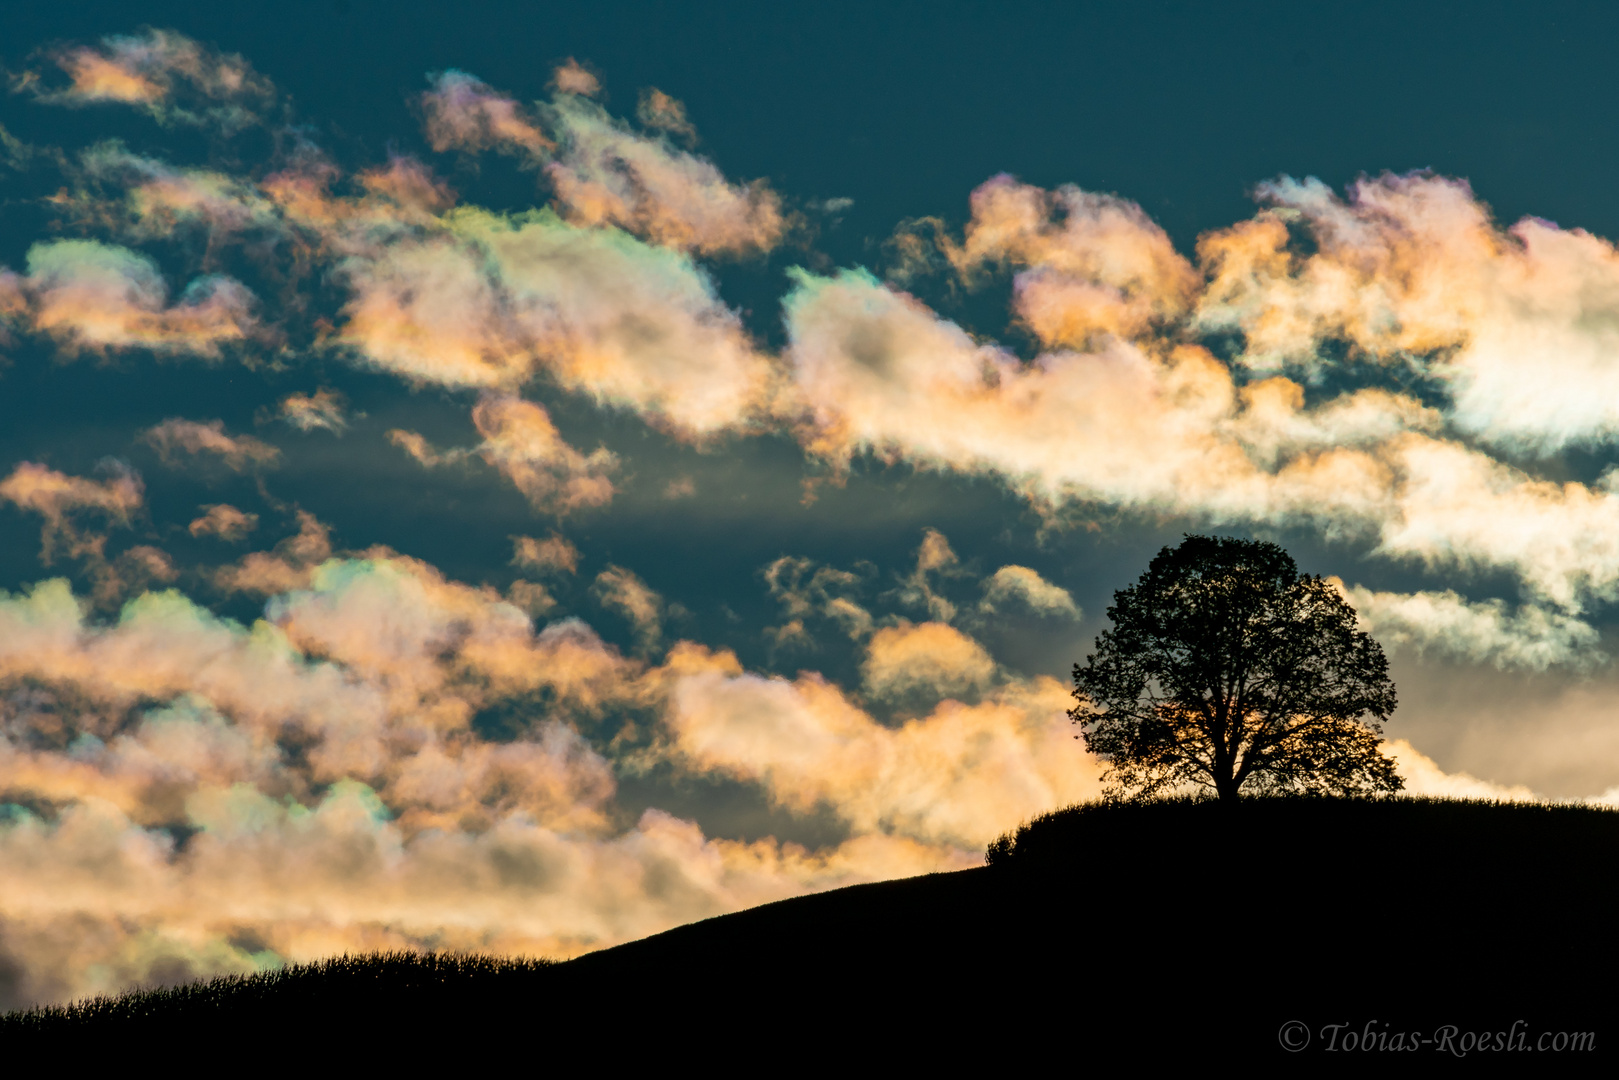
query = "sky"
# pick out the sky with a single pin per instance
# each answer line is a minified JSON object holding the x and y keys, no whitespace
{"x":518,"y":478}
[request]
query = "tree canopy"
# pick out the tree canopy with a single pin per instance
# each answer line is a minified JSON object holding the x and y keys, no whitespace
{"x":1227,"y":669}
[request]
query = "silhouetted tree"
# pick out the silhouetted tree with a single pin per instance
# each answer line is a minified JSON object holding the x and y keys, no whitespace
{"x":1225,"y":667}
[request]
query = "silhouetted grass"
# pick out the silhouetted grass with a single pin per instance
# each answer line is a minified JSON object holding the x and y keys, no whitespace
{"x":346,"y":989}
{"x":1286,"y":827}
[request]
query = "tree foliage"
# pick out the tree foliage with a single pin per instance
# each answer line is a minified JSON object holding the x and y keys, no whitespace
{"x":1226,"y":668}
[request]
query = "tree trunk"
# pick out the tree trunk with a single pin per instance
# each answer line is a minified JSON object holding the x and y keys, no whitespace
{"x":1226,"y":787}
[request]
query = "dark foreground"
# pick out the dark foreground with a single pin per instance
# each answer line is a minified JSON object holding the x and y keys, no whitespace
{"x":1170,"y":931}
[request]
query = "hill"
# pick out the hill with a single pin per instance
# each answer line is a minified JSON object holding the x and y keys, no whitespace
{"x":1170,"y":926}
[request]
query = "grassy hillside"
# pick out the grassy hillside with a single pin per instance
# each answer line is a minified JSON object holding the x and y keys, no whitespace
{"x":1165,"y":925}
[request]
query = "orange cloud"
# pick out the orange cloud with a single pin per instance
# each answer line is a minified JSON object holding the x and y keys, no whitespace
{"x":658,"y":110}
{"x":531,"y":597}
{"x":322,"y":409}
{"x":604,"y":173}
{"x":521,"y":441}
{"x":1096,"y":263}
{"x":1516,"y":322}
{"x":571,"y":78}
{"x":463,"y":113}
{"x":628,"y":324}
{"x":160,"y":199}
{"x":957,"y":776}
{"x":427,"y":310}
{"x":225,"y":522}
{"x":620,"y":590}
{"x":554,"y":554}
{"x":239,"y":452}
{"x":484,"y":301}
{"x":1023,"y":586}
{"x":93,"y":296}
{"x":287,"y":567}
{"x":173,"y":77}
{"x":60,"y":499}
{"x":933,"y":658}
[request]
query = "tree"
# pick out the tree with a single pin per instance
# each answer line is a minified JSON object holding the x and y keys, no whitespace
{"x":1226,"y":668}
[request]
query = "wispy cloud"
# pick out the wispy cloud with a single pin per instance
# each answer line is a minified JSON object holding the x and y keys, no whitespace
{"x":224,"y":522}
{"x":175,"y":79}
{"x":621,"y":591}
{"x":1446,"y":624}
{"x":62,"y":500}
{"x":1019,"y":586}
{"x":521,"y":441}
{"x":553,"y":555}
{"x":463,"y":113}
{"x":175,"y":436}
{"x":321,"y":410}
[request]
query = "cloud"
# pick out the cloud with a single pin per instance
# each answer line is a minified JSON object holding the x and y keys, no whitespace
{"x":13,"y":297}
{"x":1423,"y":777}
{"x":532,"y":597}
{"x":618,"y":589}
{"x":323,"y":409}
{"x":957,"y":776}
{"x":427,"y":311}
{"x":630,"y":325}
{"x":160,"y":199}
{"x":1445,"y":624}
{"x":1140,"y":430}
{"x":134,"y":571}
{"x":463,"y":113}
{"x":372,"y":650}
{"x":399,"y":201}
{"x":1022,"y":586}
{"x":306,"y":882}
{"x":392,"y":825}
{"x":224,"y":522}
{"x":238,"y":452}
{"x":571,"y":78}
{"x":553,"y":555}
{"x":803,"y":589}
{"x":171,"y":76}
{"x":288,"y":566}
{"x":933,"y":658}
{"x":655,"y":109}
{"x":63,"y":500}
{"x":935,"y":556}
{"x":604,"y":173}
{"x":94,"y":296}
{"x":521,"y":441}
{"x":1517,"y":323}
{"x":1121,"y":409}
{"x":1095,"y":264}
{"x":423,"y":451}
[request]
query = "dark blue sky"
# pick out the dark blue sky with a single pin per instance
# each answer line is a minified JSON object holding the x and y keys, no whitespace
{"x":905,"y":107}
